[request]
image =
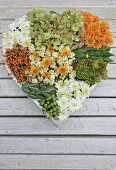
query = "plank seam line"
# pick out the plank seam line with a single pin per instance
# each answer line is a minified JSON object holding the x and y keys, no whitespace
{"x":25,"y":97}
{"x":43,"y":116}
{"x":59,"y":135}
{"x":60,"y":154}
{"x":30,"y":7}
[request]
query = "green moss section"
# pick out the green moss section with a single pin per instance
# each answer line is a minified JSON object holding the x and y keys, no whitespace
{"x":91,"y":70}
{"x":56,"y":29}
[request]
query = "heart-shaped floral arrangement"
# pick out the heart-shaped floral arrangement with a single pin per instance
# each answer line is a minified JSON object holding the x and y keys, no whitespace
{"x":57,"y":58}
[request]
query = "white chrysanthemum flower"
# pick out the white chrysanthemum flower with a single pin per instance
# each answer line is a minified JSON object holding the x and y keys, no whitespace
{"x":63,"y":103}
{"x":68,"y":95}
{"x":61,"y":85}
{"x":85,"y":92}
{"x":7,"y":35}
{"x":82,"y":84}
{"x":74,"y":85}
{"x":75,"y":104}
{"x":7,"y":44}
{"x":59,"y":93}
{"x":19,"y":32}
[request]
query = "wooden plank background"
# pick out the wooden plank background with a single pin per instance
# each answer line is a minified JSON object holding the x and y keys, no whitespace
{"x":87,"y":140}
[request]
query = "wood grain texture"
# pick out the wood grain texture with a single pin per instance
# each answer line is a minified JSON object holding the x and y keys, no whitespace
{"x":72,"y":126}
{"x":25,"y":107}
{"x":16,"y":12}
{"x":78,"y":162}
{"x":112,"y":71}
{"x":59,"y":3}
{"x":57,"y":145}
{"x":9,"y":88}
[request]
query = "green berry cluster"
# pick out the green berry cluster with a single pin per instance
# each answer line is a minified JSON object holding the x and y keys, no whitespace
{"x":91,"y":70}
{"x":50,"y":107}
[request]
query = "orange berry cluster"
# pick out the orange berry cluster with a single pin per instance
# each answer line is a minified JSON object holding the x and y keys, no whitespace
{"x":97,"y":34}
{"x":17,"y":60}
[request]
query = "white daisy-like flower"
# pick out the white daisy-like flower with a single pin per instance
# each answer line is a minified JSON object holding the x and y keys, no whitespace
{"x":19,"y":32}
{"x":61,"y":85}
{"x":63,"y":103}
{"x":68,"y":95}
{"x":75,"y":104}
{"x":82,"y":84}
{"x":59,"y":94}
{"x":85,"y":92}
{"x":74,"y":85}
{"x":7,"y":35}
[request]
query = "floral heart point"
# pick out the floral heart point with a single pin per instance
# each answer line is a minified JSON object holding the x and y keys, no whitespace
{"x":57,"y":58}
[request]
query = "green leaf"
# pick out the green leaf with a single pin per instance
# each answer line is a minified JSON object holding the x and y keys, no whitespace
{"x":38,"y":90}
{"x":103,"y":53}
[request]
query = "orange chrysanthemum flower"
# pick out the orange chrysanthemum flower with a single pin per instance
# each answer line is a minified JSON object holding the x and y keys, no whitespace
{"x":97,"y":33}
{"x":62,"y":70}
{"x":50,"y":49}
{"x":97,"y":44}
{"x":34,"y":71}
{"x":105,"y":26}
{"x":107,"y":41}
{"x":46,"y":62}
{"x":46,"y":74}
{"x":89,"y":41}
{"x":93,"y":27}
{"x":65,"y":52}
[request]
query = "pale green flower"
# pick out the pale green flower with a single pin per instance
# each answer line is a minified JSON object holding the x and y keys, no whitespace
{"x":68,"y":95}
{"x":85,"y":92}
{"x":75,"y":104}
{"x":59,"y":94}
{"x":74,"y":86}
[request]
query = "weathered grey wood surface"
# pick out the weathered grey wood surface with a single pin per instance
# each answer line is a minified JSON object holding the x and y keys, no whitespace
{"x":87,"y":140}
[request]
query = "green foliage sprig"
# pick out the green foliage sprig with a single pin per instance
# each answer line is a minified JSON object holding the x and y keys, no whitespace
{"x":103,"y":53}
